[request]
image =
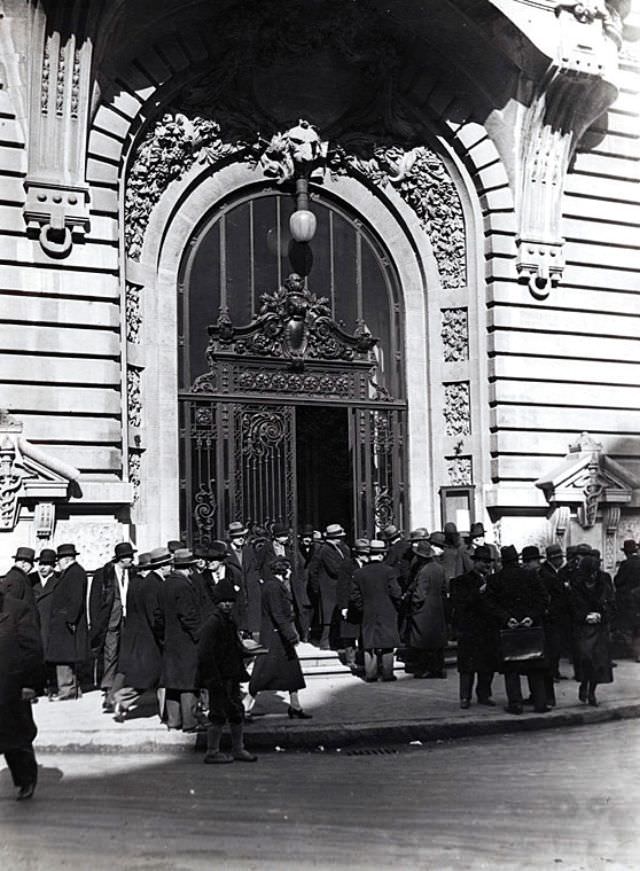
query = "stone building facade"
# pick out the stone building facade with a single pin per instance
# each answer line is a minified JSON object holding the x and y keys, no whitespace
{"x":473,"y":168}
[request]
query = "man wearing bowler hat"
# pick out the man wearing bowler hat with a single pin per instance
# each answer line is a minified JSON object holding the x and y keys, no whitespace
{"x":16,"y":582}
{"x":67,"y":644}
{"x":627,"y":586}
{"x":107,"y":610}
{"x":325,"y":569}
{"x":43,"y":581}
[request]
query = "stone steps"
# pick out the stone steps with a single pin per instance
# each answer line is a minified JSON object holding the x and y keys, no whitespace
{"x":325,"y":663}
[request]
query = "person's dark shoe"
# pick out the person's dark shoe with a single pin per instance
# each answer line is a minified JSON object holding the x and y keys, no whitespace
{"x":298,"y":714}
{"x":582,"y":693}
{"x":593,"y":700}
{"x":513,"y":709}
{"x":465,"y":703}
{"x":542,"y":709}
{"x":488,"y":703}
{"x":390,"y":678}
{"x":371,"y":680}
{"x":218,"y":758}
{"x":528,"y":701}
{"x":244,"y":756}
{"x":120,"y":716}
{"x":199,"y":727}
{"x":26,"y":792}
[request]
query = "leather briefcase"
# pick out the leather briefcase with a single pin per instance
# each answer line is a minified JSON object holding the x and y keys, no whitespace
{"x":522,"y":644}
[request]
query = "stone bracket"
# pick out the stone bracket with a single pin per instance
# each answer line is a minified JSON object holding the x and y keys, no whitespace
{"x":57,"y":215}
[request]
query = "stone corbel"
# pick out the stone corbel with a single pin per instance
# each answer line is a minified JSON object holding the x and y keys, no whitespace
{"x":611,"y":523}
{"x":579,"y":85}
{"x":56,"y":215}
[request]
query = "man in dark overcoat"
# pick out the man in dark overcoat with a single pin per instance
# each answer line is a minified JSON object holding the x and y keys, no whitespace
{"x":398,"y":550}
{"x":241,"y":554}
{"x":43,"y":582}
{"x":107,"y":611}
{"x":324,"y":571}
{"x":140,"y":656}
{"x":477,"y":538}
{"x":376,"y":594}
{"x":518,"y":599}
{"x":345,"y":627}
{"x":475,"y":630}
{"x":16,"y":582}
{"x":67,"y":644}
{"x":281,"y":545}
{"x":182,"y":621}
{"x":558,"y":619}
{"x":21,"y":674}
{"x":627,"y":590}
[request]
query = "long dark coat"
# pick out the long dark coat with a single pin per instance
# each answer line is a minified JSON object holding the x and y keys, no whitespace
{"x":21,"y":666}
{"x":68,"y":631}
{"x":376,"y":594}
{"x":592,"y":655}
{"x":345,"y":631}
{"x":514,"y":592}
{"x":474,"y":625}
{"x":17,"y":585}
{"x":101,"y":598}
{"x":427,"y":626}
{"x":248,"y":608}
{"x":298,"y":578}
{"x":280,"y":668}
{"x":557,"y":621}
{"x":627,"y":585}
{"x":220,"y":652}
{"x":324,"y":571}
{"x":140,"y":656}
{"x":399,"y":557}
{"x":233,"y":574}
{"x":44,"y":599}
{"x":179,"y":600}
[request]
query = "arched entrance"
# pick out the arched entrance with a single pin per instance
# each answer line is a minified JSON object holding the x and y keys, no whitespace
{"x":292,"y":390}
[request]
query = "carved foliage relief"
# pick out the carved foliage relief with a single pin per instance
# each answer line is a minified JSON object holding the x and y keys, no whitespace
{"x":457,"y":408}
{"x":455,"y":334}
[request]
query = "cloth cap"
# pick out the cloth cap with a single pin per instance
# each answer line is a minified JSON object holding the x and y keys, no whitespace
{"x":477,"y":529}
{"x":334,"y":530}
{"x":509,"y":554}
{"x":437,"y":539}
{"x":25,"y":553}
{"x":66,"y":550}
{"x":280,"y":529}
{"x":389,"y":532}
{"x":123,"y":550}
{"x":553,"y":550}
{"x":530,"y":552}
{"x":424,"y":549}
{"x":361,"y":545}
{"x":216,"y":551}
{"x":629,"y":546}
{"x":183,"y":558}
{"x":47,"y":557}
{"x":224,"y":592}
{"x":483,"y":552}
{"x":159,"y":556}
{"x":143,"y":560}
{"x":377,"y":546}
{"x":173,"y":546}
{"x":419,"y":534}
{"x":237,"y":529}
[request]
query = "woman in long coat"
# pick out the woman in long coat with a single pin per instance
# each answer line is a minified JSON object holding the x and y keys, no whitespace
{"x":592,"y":604}
{"x":279,"y":669}
{"x":427,"y":625}
{"x":21,"y":677}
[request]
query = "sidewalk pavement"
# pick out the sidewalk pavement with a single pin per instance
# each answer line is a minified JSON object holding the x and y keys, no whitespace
{"x":346,"y":712}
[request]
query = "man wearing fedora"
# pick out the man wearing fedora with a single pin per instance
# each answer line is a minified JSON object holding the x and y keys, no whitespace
{"x":397,"y":548}
{"x":107,"y":610}
{"x":324,"y":571}
{"x":67,"y":644}
{"x":477,"y":538}
{"x":16,"y":582}
{"x":182,"y":622}
{"x":558,"y":622}
{"x":627,"y":589}
{"x":140,"y":656}
{"x":376,"y":595}
{"x":242,"y":555}
{"x":43,"y":583}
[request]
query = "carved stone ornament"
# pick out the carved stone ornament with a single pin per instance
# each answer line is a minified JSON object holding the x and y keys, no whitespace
{"x":459,"y":471}
{"x":293,"y":325}
{"x":457,"y":408}
{"x":297,"y":151}
{"x":588,"y":479}
{"x":133,"y":307}
{"x":455,"y":335}
{"x":27,"y":473}
{"x":577,"y":88}
{"x":134,"y":396}
{"x":56,"y":215}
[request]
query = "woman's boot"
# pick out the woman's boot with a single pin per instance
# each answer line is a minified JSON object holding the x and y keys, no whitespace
{"x":592,"y":695}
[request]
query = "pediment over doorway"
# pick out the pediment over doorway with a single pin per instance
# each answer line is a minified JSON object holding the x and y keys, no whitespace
{"x":588,"y":478}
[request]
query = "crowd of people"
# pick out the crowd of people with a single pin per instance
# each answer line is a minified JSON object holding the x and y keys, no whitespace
{"x":208,"y":629}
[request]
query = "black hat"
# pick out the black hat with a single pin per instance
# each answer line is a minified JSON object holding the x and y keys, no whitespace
{"x":437,"y":539}
{"x":216,"y":551}
{"x":483,"y":552}
{"x":159,"y":556}
{"x":143,"y":561}
{"x":424,"y":549}
{"x":584,"y":549}
{"x":530,"y":552}
{"x":280,"y":529}
{"x":66,"y":550}
{"x":47,"y":557}
{"x":509,"y":554}
{"x":183,"y":558}
{"x":390,"y":532}
{"x":173,"y":546}
{"x":477,"y":529}
{"x":224,"y":591}
{"x":123,"y":550}
{"x":630,"y":546}
{"x":27,"y":554}
{"x":553,"y":550}
{"x":307,"y":531}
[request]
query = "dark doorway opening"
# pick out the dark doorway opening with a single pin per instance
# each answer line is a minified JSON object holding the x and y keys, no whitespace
{"x":323,"y":467}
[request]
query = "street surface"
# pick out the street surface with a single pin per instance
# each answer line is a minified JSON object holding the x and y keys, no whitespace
{"x":565,"y":799}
